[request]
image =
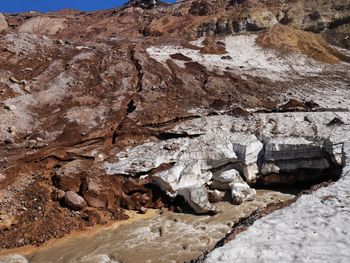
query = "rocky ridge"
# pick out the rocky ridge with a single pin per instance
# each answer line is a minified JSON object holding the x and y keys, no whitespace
{"x":129,"y":108}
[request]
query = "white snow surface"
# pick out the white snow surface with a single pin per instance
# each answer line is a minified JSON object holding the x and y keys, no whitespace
{"x":247,"y":58}
{"x":316,"y":228}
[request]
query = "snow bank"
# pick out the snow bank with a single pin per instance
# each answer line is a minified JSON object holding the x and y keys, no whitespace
{"x":314,"y":229}
{"x":246,"y":58}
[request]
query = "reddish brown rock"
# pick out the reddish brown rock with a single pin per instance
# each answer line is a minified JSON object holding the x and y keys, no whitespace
{"x":3,"y":22}
{"x":97,"y":193}
{"x":69,"y":176}
{"x":57,"y":195}
{"x":201,"y":8}
{"x":74,"y":201}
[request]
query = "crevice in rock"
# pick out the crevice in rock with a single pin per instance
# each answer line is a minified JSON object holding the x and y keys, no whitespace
{"x":131,"y":106}
{"x":171,"y":122}
{"x":164,"y":136}
{"x":88,"y":141}
{"x":67,"y":159}
{"x":279,"y":110}
{"x":339,"y":22}
{"x":139,"y":69}
{"x":160,"y":168}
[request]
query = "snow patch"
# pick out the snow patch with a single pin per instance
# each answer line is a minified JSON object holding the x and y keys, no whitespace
{"x":247,"y":58}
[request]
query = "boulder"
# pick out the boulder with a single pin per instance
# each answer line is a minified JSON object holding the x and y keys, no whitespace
{"x":32,"y":144}
{"x":96,"y":193}
{"x":222,"y":179}
{"x":57,"y":195}
{"x":187,"y":180}
{"x":68,"y":177}
{"x":197,"y":198}
{"x":261,"y":19}
{"x":226,"y":176}
{"x":215,"y":196}
{"x":74,"y":201}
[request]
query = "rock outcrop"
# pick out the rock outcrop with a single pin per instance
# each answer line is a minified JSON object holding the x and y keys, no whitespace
{"x":201,"y":8}
{"x":147,"y":4}
{"x":43,"y":25}
{"x":3,"y":22}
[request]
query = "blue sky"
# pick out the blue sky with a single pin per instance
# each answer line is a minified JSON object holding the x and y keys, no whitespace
{"x":14,"y":6}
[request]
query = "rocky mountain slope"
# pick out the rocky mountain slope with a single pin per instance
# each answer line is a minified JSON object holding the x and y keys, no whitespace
{"x":158,"y":105}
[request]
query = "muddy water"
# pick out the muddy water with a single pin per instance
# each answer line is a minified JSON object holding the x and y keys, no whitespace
{"x":166,"y":237}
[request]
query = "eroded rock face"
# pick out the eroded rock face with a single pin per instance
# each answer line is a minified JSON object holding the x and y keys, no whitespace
{"x":197,"y":198}
{"x":3,"y":22}
{"x":43,"y":25}
{"x":200,"y":8}
{"x":143,"y":3}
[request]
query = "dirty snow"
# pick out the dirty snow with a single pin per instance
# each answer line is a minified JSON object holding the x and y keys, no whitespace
{"x":314,"y":229}
{"x":247,"y":59}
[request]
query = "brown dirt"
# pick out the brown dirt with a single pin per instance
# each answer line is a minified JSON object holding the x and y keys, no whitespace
{"x":211,"y":46}
{"x":285,"y":38}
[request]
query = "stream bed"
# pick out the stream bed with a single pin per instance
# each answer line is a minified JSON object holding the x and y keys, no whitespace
{"x":161,"y":236}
